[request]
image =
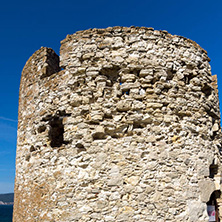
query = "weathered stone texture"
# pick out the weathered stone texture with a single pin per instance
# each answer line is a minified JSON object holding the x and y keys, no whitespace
{"x":125,"y":130}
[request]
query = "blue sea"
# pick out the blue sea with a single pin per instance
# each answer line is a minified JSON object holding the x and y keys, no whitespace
{"x":6,"y":213}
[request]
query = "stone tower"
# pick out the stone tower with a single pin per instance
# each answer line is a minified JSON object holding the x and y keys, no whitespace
{"x":123,"y":126}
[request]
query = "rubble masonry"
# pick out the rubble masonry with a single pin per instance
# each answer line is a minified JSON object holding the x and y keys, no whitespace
{"x":123,"y":126}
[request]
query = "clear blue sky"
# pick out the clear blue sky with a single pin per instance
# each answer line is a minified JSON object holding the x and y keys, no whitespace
{"x":25,"y":26}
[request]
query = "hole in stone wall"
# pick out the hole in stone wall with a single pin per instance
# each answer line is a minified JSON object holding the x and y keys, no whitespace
{"x":125,"y":92}
{"x":56,"y":131}
{"x":98,"y":135}
{"x":213,"y":170}
{"x":176,"y":88}
{"x":108,"y":115}
{"x":213,"y":136}
{"x":135,"y":71}
{"x":112,"y":73}
{"x":206,"y":89}
{"x":84,"y":112}
{"x":165,"y":90}
{"x":115,"y":136}
{"x":211,"y":113}
{"x":80,"y":147}
{"x":56,"y":128}
{"x":187,"y":78}
{"x":41,"y":129}
{"x":32,"y":149}
{"x":200,"y":65}
{"x":190,"y":66}
{"x":170,"y":74}
{"x":182,"y":63}
{"x":155,"y":79}
{"x":27,"y":157}
{"x":212,"y":206}
{"x":137,"y":125}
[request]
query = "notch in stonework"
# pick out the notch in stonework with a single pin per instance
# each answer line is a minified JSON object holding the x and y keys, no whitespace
{"x":213,"y":170}
{"x":50,"y":63}
{"x":56,"y":131}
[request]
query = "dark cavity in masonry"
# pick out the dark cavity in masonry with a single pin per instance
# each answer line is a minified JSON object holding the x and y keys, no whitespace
{"x":56,"y":131}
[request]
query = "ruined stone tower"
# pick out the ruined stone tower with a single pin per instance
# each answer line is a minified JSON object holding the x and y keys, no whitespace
{"x":123,"y":126}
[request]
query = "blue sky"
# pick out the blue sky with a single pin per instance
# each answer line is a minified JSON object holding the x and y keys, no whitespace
{"x":25,"y":26}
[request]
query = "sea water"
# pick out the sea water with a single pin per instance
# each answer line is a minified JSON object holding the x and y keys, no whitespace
{"x":6,"y":213}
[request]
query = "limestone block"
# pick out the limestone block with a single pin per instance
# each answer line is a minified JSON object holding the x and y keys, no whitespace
{"x":133,"y":180}
{"x":146,"y":72}
{"x":215,"y":127}
{"x":127,"y":86}
{"x":88,"y":55}
{"x":137,"y":105}
{"x":97,"y":116}
{"x":75,"y":100}
{"x":99,"y":133}
{"x":115,"y":177}
{"x":135,"y":117}
{"x":128,"y":78}
{"x":154,"y":105}
{"x":124,"y":105}
{"x":197,"y":211}
{"x":207,"y":187}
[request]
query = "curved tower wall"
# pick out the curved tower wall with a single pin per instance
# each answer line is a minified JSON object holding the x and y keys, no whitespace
{"x":125,"y":128}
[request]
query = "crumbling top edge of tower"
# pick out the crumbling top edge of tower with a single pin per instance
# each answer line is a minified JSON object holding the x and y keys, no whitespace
{"x":133,"y":29}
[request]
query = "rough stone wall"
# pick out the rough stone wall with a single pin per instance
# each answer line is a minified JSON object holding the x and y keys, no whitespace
{"x":125,"y":128}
